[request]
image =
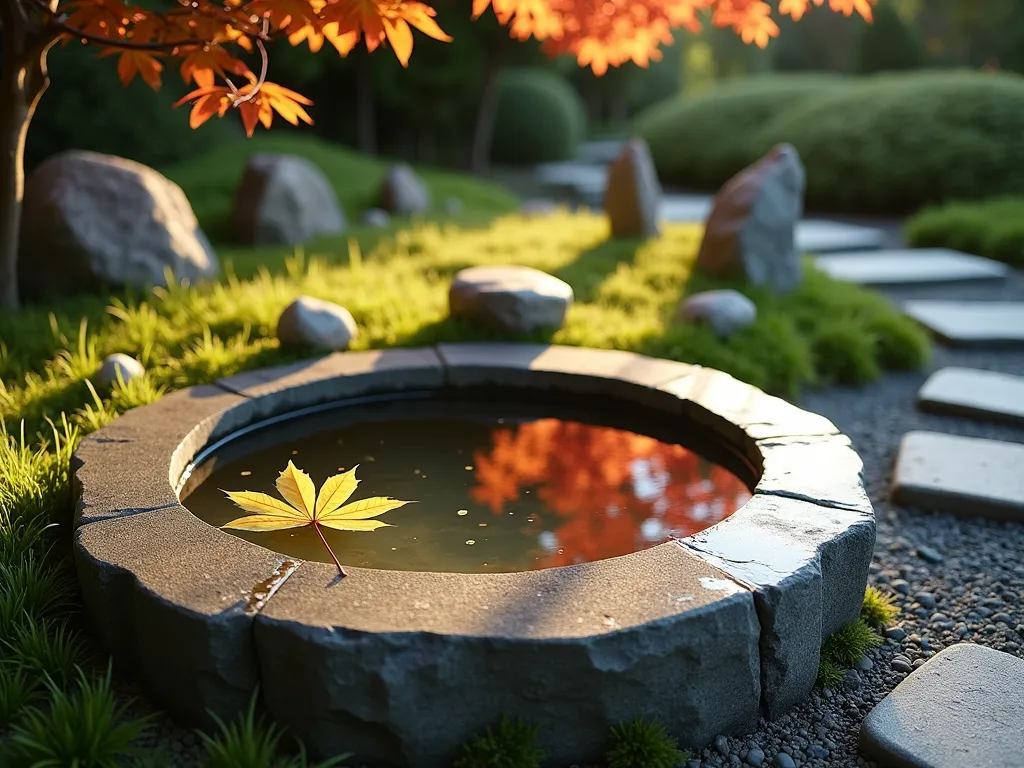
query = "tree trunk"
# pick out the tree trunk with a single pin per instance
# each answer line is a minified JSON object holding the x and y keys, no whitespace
{"x":23,"y":80}
{"x":486,"y":114}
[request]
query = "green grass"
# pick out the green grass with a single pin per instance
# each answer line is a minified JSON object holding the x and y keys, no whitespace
{"x":991,"y":228}
{"x":643,"y":744}
{"x":626,"y":292}
{"x":844,"y":647}
{"x":210,"y":180}
{"x":512,"y":744}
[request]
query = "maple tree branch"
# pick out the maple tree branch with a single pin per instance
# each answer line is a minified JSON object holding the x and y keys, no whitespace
{"x":128,"y":45}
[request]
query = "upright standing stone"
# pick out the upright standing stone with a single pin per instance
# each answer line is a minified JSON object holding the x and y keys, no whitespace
{"x":750,"y":233}
{"x":402,"y":192}
{"x":93,"y":221}
{"x":284,"y":200}
{"x":632,"y":197}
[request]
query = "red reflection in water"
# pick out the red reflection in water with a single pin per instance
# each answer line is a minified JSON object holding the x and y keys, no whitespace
{"x":613,"y":492}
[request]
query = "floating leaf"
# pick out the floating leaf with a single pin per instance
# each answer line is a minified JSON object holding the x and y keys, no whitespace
{"x":302,"y":506}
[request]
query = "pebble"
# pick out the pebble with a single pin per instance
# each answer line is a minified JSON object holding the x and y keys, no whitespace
{"x":901,"y":664}
{"x":926,"y":599}
{"x":755,"y":757}
{"x":1002,"y":618}
{"x":128,"y":367}
{"x":818,"y":751}
{"x":895,"y":633}
{"x":722,"y":745}
{"x":864,"y":664}
{"x":929,"y":555}
{"x":782,"y":760}
{"x":901,"y":586}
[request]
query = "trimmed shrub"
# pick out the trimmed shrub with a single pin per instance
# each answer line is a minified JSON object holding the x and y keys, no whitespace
{"x":892,"y":144}
{"x":702,"y":141}
{"x":540,"y":118}
{"x":993,"y":228}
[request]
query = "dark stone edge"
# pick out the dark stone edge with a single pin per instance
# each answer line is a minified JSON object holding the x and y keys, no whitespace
{"x":256,"y":397}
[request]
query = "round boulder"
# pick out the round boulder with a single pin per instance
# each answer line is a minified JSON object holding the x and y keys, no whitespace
{"x":309,"y":322}
{"x":118,"y":363}
{"x":402,"y":192}
{"x":725,"y":311}
{"x":510,"y":299}
{"x":284,"y":200}
{"x":93,"y":221}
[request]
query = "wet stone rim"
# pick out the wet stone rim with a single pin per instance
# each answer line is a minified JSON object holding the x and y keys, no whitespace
{"x":704,"y":633}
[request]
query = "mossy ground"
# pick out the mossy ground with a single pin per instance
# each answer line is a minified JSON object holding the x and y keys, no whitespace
{"x":990,"y":228}
{"x":395,"y":283}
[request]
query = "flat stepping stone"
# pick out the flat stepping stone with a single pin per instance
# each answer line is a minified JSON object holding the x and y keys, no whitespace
{"x":967,"y":323}
{"x":823,"y":236}
{"x":963,"y":707}
{"x":968,"y":392}
{"x":962,"y":475}
{"x":909,"y":266}
{"x":509,"y":299}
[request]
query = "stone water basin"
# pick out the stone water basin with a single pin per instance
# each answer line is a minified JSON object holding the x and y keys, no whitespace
{"x":649,"y":538}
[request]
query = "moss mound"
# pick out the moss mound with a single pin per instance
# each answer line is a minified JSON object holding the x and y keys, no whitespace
{"x":992,"y":228}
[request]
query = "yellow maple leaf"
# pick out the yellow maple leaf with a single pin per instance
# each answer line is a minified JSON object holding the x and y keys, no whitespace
{"x":303,"y":506}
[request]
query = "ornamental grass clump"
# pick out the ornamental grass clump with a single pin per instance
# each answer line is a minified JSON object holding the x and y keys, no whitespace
{"x":643,"y":744}
{"x":512,"y":744}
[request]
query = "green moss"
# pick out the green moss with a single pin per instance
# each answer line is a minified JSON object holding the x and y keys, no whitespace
{"x":512,"y":744}
{"x":643,"y":744}
{"x":843,"y":648}
{"x":991,"y":228}
{"x":879,"y":609}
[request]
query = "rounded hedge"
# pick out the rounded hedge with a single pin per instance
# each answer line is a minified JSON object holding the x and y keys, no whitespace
{"x":701,"y":141}
{"x":892,"y":144}
{"x":886,"y":144}
{"x":540,"y":118}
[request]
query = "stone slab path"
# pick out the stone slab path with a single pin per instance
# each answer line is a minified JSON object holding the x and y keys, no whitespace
{"x":963,"y":707}
{"x":962,"y":475}
{"x":910,"y":265}
{"x":966,"y":323}
{"x":966,"y":392}
{"x":824,"y":236}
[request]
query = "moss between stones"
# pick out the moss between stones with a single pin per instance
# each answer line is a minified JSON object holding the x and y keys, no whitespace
{"x":843,"y":648}
{"x":992,"y":228}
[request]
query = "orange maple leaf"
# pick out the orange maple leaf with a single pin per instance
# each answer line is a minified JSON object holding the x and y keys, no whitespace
{"x":255,"y":102}
{"x":391,"y":20}
{"x":142,"y":63}
{"x":201,"y":64}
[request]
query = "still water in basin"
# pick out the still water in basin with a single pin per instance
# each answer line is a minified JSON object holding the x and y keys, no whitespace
{"x":498,"y":486}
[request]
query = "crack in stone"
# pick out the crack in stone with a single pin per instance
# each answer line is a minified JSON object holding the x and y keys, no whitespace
{"x":827,"y":503}
{"x":262,"y":591}
{"x":113,"y":440}
{"x":231,"y":391}
{"x":128,"y":512}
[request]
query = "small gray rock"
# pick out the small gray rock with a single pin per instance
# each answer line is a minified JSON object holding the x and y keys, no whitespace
{"x":1002,"y":618}
{"x":901,"y":586}
{"x":895,"y":633}
{"x":818,"y":751}
{"x":725,"y":311}
{"x":129,"y":368}
{"x":864,"y":664}
{"x":926,"y":599}
{"x":722,"y":745}
{"x":309,"y":322}
{"x":453,"y":206}
{"x":901,"y":664}
{"x":782,"y":760}
{"x":376,"y":217}
{"x":510,"y":299}
{"x":755,"y":757}
{"x":929,"y":555}
{"x":402,"y":192}
{"x":852,"y":680}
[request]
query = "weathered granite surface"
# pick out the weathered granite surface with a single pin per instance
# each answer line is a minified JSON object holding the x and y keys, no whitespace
{"x":404,"y":675}
{"x":509,"y":298}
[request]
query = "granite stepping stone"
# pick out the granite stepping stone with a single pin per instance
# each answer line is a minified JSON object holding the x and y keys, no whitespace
{"x":912,"y":266}
{"x":961,"y":475}
{"x":963,"y":707}
{"x":968,"y":392}
{"x":823,"y":236}
{"x":970,"y":323}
